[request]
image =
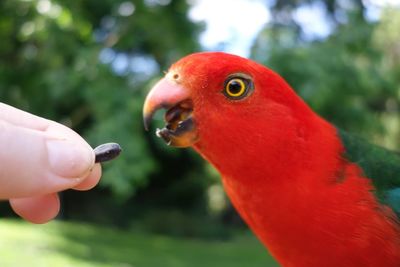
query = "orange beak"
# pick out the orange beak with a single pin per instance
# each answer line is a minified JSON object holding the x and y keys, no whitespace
{"x":180,"y":129}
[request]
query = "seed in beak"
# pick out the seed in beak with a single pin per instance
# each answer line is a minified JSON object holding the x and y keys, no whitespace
{"x":175,"y":115}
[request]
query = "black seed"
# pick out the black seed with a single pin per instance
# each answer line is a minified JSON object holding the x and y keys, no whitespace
{"x":106,"y":152}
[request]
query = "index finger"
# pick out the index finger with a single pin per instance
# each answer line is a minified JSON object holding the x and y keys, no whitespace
{"x":23,"y":119}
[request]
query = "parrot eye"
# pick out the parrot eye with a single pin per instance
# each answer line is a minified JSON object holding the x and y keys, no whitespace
{"x":237,"y":87}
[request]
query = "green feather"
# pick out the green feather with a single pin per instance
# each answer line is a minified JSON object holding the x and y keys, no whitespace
{"x":380,"y":165}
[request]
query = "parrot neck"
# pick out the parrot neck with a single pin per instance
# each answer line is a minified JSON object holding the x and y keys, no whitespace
{"x":298,"y":149}
{"x":271,"y":166}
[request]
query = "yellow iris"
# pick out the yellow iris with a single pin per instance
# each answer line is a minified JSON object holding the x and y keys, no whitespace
{"x":235,"y":87}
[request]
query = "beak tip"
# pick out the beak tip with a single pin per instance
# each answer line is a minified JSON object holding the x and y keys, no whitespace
{"x":147,"y":121}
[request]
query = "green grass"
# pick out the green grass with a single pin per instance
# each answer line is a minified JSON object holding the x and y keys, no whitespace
{"x":60,"y":244}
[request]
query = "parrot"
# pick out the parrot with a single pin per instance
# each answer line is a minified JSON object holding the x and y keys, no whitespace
{"x":313,"y":194}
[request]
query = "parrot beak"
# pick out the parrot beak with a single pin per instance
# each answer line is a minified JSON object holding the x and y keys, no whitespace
{"x":180,"y":129}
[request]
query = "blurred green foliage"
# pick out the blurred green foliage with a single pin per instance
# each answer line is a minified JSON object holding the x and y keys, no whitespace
{"x":88,"y":64}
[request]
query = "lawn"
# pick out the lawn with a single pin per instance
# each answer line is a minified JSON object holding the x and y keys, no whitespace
{"x":60,"y":244}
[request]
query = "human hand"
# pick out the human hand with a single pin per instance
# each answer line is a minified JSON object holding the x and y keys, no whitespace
{"x":39,"y":158}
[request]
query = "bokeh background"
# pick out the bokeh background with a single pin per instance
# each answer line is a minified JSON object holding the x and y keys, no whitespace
{"x":88,"y":64}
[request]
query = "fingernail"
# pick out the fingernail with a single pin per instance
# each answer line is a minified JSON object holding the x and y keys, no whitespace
{"x":69,"y":159}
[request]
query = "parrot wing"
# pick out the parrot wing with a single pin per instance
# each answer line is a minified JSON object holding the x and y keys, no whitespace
{"x":380,"y":165}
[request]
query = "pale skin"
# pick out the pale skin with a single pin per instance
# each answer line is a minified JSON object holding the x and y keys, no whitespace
{"x":38,"y":159}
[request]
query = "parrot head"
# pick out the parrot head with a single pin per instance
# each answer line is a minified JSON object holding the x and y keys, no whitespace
{"x":222,"y":104}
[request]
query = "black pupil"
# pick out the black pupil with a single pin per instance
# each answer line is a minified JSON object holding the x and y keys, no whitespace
{"x":235,"y":87}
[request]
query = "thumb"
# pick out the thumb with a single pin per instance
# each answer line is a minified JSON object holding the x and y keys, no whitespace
{"x":41,"y":161}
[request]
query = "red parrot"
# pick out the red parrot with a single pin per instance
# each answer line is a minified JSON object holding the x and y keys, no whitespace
{"x":314,"y":195}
